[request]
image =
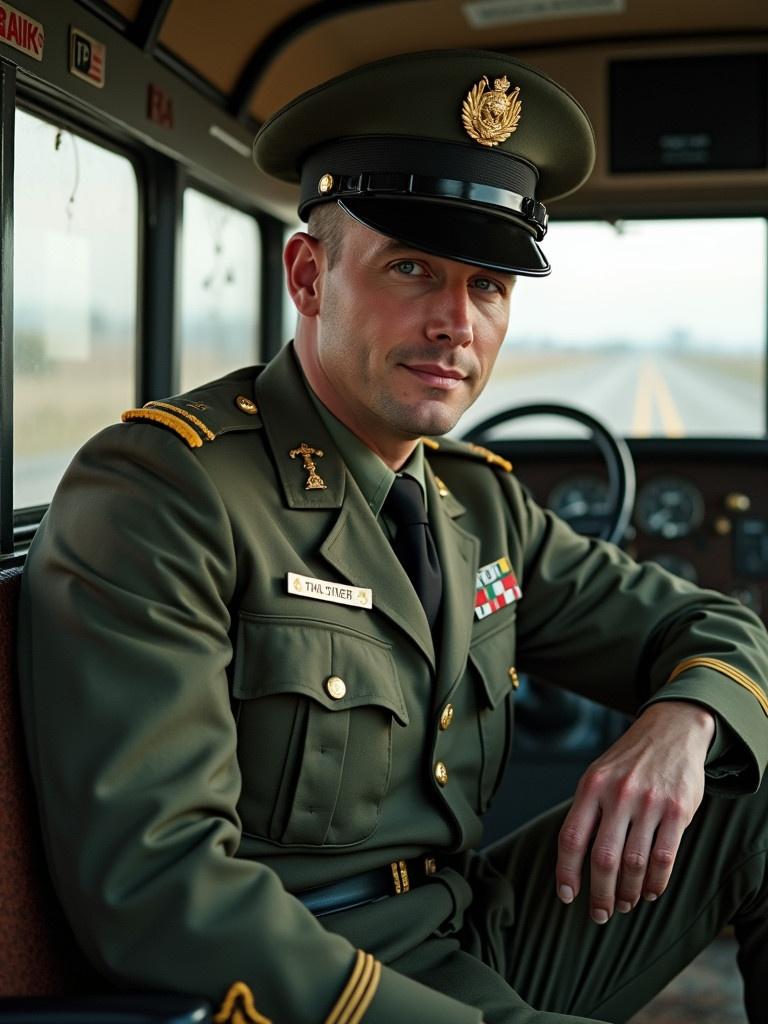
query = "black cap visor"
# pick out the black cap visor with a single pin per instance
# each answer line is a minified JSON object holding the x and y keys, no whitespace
{"x":453,"y":230}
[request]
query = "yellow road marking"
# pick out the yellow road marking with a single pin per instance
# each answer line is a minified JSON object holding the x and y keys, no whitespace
{"x":651,"y":386}
{"x":642,"y":418}
{"x":670,"y":418}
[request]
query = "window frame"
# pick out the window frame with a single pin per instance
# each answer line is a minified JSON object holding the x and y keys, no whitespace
{"x":161,"y":181}
{"x":25,"y":520}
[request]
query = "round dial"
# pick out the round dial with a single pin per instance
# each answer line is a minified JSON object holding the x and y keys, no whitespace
{"x":581,"y":501}
{"x":669,"y":507}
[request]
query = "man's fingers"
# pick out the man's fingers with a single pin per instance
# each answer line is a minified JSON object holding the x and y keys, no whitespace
{"x":648,"y":859}
{"x":605,"y":864}
{"x":635,"y":861}
{"x":663,"y":854}
{"x":572,"y":845}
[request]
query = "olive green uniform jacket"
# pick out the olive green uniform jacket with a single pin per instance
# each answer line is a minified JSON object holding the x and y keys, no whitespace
{"x":191,"y":762}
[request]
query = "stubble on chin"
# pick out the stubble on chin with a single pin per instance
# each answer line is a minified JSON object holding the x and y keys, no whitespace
{"x":430,"y":418}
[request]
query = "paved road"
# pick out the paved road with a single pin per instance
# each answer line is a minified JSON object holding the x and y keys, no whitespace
{"x":641,"y":395}
{"x":637,"y":394}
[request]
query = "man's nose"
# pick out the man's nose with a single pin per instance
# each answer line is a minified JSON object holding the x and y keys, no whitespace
{"x":450,"y":319}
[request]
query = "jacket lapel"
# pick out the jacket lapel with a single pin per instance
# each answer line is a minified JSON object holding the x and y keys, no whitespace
{"x":290,"y":421}
{"x":359,"y":550}
{"x":458,"y":552}
{"x":356,"y":546}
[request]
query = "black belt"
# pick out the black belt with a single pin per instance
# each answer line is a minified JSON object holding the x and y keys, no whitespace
{"x":394,"y":879}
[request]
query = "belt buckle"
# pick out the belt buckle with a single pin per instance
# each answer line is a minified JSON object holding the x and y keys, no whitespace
{"x":399,"y":870}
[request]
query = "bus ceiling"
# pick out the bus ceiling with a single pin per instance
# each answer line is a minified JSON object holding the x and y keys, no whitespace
{"x":194,"y":80}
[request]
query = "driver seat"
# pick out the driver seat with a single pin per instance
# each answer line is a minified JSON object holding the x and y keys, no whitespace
{"x":40,"y":956}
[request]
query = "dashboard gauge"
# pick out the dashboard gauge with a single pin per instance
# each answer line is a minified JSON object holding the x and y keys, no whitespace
{"x":581,"y":501}
{"x":669,"y":507}
{"x":679,"y":566}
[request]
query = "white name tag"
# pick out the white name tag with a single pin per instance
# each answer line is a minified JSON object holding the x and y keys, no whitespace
{"x":325,"y":590}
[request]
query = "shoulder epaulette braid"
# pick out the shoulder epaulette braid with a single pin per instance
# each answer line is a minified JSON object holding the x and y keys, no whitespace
{"x":238,"y":1007}
{"x":491,"y":457}
{"x":189,"y":428}
{"x":476,"y":451}
{"x":357,"y":994}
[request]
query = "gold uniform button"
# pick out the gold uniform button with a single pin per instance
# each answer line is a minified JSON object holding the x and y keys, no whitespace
{"x":447,"y":716}
{"x":336,"y":687}
{"x":245,"y":404}
{"x":441,"y":774}
{"x":514,"y":677}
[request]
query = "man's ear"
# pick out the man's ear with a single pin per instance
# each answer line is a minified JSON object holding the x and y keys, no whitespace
{"x":304,"y":262}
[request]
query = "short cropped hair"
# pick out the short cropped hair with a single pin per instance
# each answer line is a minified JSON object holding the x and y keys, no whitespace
{"x":326,"y":223}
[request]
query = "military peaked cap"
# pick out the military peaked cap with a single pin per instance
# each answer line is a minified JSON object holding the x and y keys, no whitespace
{"x":452,"y":151}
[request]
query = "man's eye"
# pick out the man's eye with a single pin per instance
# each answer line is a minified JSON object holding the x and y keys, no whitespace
{"x":409,"y":268}
{"x":485,"y":284}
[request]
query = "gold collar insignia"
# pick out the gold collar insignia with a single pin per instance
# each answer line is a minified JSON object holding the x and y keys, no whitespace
{"x":314,"y":481}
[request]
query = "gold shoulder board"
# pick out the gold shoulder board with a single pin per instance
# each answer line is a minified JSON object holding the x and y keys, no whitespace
{"x":491,"y":457}
{"x":188,"y":427}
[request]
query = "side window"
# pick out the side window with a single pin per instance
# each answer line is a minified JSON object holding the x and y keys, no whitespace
{"x":75,"y":281}
{"x":219,"y":312}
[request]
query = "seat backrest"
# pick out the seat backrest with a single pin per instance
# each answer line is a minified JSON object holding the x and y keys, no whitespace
{"x":38,"y":954}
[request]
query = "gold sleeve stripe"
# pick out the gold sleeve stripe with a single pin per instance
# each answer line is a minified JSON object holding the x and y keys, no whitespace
{"x":174,"y":423}
{"x":358,"y":992}
{"x":727,"y":670}
{"x":207,"y":433}
{"x":365,"y":1002}
{"x":238,"y":1007}
{"x":354,"y":977}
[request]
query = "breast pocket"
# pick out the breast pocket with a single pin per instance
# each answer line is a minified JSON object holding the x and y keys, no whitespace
{"x":317,"y":706}
{"x":492,"y":658}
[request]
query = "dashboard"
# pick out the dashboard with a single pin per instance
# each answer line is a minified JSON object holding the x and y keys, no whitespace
{"x":701,"y":508}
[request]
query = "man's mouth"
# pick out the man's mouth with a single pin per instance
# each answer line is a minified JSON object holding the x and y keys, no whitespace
{"x":435,"y":376}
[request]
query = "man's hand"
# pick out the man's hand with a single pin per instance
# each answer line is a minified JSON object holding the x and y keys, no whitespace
{"x":633,"y":805}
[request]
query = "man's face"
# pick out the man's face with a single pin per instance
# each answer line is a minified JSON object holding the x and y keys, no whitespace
{"x":405,"y":341}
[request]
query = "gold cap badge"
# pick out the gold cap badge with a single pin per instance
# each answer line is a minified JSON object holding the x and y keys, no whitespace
{"x":490,"y":115}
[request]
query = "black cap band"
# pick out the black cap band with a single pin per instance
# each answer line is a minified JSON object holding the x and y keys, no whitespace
{"x":491,"y":179}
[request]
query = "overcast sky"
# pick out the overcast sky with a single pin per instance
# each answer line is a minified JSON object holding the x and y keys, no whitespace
{"x":701,"y":280}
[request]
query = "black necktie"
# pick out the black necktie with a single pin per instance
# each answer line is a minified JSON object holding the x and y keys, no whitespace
{"x":413,"y":543}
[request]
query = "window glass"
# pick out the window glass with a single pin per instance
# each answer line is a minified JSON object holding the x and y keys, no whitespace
{"x":657,"y":327}
{"x":219,"y":314}
{"x":75,"y":266}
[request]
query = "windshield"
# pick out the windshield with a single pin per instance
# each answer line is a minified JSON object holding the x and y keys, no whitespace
{"x":657,"y":327}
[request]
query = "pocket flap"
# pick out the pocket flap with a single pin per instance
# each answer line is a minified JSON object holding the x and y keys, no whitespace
{"x":274,"y":656}
{"x":493,"y":657}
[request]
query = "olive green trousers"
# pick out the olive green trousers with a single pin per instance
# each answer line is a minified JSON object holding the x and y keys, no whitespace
{"x":522,"y":957}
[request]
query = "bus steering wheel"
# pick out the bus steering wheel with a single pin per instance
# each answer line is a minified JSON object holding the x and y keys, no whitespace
{"x":614,"y":450}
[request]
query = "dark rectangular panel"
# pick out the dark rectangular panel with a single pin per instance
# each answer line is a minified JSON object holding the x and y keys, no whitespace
{"x":703,"y":113}
{"x":750,"y":547}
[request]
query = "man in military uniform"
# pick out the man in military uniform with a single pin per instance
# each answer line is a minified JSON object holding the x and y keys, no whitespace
{"x":272,"y":630}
